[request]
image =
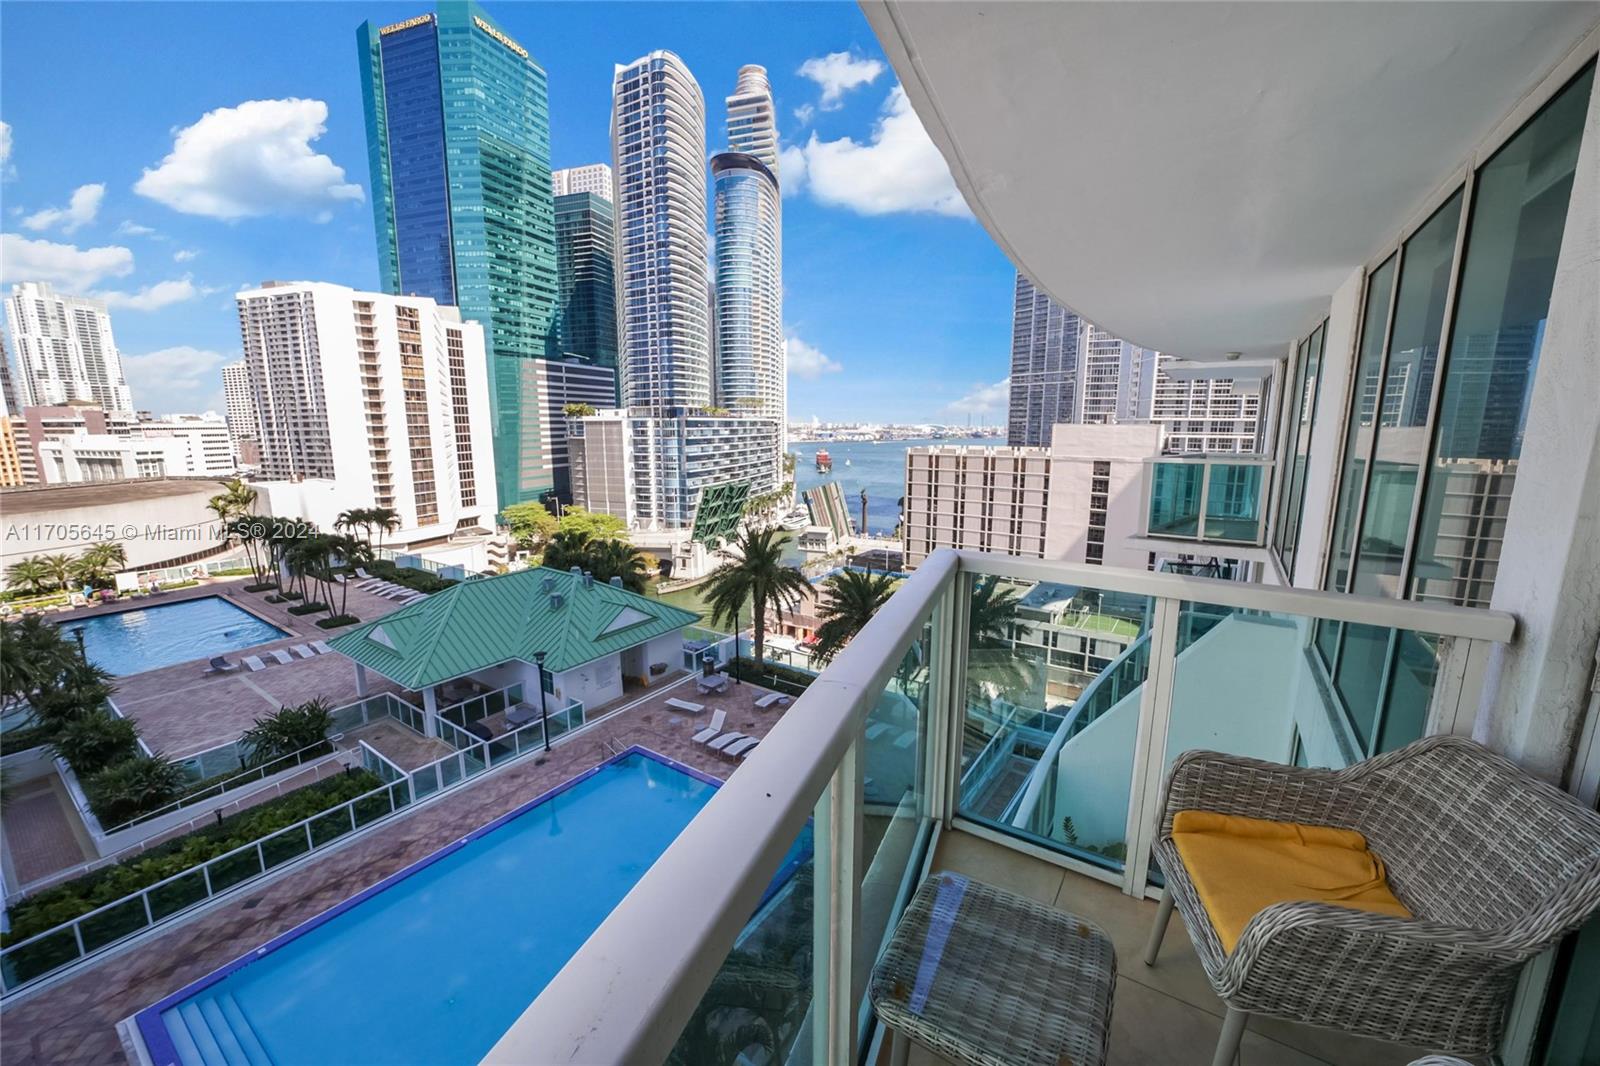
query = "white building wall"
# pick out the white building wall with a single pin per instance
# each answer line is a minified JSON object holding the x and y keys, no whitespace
{"x":329,"y":370}
{"x":65,"y":349}
{"x":1078,"y":506}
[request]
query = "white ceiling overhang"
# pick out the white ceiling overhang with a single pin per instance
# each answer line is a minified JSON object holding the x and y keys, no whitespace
{"x":1199,"y":177}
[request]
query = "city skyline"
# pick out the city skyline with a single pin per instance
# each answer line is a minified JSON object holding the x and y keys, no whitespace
{"x":885,"y":272}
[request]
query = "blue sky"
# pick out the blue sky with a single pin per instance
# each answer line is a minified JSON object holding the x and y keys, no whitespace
{"x":131,"y":170}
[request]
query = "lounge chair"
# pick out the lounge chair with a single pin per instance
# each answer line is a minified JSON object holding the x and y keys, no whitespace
{"x":740,"y":749}
{"x":705,"y":735}
{"x":320,"y":647}
{"x":253,"y":663}
{"x":724,"y":740}
{"x":221,"y":665}
{"x":364,"y":575}
{"x":684,"y":705}
{"x":769,"y":699}
{"x":302,"y":651}
{"x":281,"y":655}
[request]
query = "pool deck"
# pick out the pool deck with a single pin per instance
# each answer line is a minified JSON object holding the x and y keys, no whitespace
{"x":74,"y":1021}
{"x":182,"y":709}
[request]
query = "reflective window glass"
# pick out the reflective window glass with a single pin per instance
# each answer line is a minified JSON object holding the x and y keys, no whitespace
{"x":1514,"y":239}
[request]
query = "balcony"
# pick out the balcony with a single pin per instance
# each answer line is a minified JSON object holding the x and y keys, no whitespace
{"x":1207,"y":499}
{"x":937,"y":740}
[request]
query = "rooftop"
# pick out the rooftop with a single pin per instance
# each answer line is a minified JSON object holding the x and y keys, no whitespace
{"x":36,"y":498}
{"x":485,"y":622}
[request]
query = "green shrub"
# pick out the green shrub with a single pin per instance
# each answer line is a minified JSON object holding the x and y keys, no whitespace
{"x":95,"y":741}
{"x":772,"y":675}
{"x":32,"y":736}
{"x":261,"y":587}
{"x":287,"y":730}
{"x":308,"y":608}
{"x":133,"y":787}
{"x":338,"y":620}
{"x":291,"y":594}
{"x":61,"y":903}
{"x":420,"y":580}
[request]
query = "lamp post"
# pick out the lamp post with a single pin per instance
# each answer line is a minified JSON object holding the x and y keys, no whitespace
{"x":544,"y":712}
{"x":736,"y":668}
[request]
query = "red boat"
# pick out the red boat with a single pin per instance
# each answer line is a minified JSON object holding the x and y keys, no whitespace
{"x":824,"y":462}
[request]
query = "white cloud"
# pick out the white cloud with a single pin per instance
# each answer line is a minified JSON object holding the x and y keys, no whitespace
{"x":79,"y":212}
{"x":130,"y":228}
{"x":807,"y":362}
{"x":5,"y":142}
{"x":152,"y":297}
{"x":899,"y":169}
{"x":73,"y":268}
{"x":984,"y":399}
{"x":805,"y":113}
{"x":176,"y":379}
{"x":838,"y":73}
{"x":251,"y":160}
{"x":183,"y":255}
{"x":792,"y":166}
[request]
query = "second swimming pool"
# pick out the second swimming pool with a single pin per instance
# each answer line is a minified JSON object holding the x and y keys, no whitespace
{"x":131,"y":642}
{"x":434,"y":964}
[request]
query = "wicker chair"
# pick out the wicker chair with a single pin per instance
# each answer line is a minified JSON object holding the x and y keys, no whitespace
{"x":1494,"y":865}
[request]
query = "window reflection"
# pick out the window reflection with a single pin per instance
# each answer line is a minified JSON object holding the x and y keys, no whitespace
{"x":1363,"y":414}
{"x":1514,"y":240}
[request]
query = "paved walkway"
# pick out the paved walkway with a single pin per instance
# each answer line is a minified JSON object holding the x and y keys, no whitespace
{"x":73,"y":1022}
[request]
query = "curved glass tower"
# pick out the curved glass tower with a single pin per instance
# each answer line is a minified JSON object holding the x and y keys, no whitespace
{"x":749,"y":294}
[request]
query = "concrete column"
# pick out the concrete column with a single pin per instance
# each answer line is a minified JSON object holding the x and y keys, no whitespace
{"x":1327,"y":433}
{"x":1536,"y":689}
{"x":361,"y":680}
{"x":430,"y":711}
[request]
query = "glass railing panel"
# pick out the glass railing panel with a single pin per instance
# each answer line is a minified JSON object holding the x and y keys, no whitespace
{"x":1175,"y":499}
{"x":758,"y":1006}
{"x":895,"y":819}
{"x":1233,"y":502}
{"x":1051,"y":711}
{"x":1254,"y":684}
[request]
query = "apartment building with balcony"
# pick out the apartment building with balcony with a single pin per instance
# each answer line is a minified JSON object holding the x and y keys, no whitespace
{"x":369,"y":400}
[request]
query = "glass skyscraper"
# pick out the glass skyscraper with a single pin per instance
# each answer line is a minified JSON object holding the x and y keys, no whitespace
{"x":458,"y":141}
{"x":586,"y":315}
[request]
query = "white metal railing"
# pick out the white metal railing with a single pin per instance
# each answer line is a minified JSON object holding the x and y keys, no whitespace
{"x":89,"y":934}
{"x":627,"y":993}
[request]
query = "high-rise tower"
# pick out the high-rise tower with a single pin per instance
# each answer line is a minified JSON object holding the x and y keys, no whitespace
{"x":658,"y":145}
{"x":458,"y":139}
{"x":65,"y":350}
{"x":749,"y":295}
{"x":1044,"y":365}
{"x":586,"y":309}
{"x":752,"y":126}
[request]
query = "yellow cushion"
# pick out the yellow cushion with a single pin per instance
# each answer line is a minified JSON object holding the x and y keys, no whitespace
{"x":1240,"y":866}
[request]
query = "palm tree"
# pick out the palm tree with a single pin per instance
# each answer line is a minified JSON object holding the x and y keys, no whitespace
{"x":98,"y":562}
{"x":356,"y":518}
{"x":566,"y":549}
{"x":30,"y":573}
{"x":59,"y":567}
{"x":33,"y":654}
{"x":989,"y":613}
{"x":251,"y":533}
{"x":617,"y":558}
{"x":757,"y":575}
{"x":234,"y":501}
{"x":355,"y":552}
{"x":384,"y":520}
{"x":853,"y":598}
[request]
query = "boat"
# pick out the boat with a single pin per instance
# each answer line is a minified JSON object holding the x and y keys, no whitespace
{"x":847,"y":462}
{"x":796,"y":519}
{"x":824,"y":461}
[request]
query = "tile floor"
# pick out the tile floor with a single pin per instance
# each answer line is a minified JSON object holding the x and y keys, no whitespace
{"x":1166,"y":1014}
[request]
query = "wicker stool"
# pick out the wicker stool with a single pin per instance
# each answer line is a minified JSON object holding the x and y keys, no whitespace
{"x":986,"y":977}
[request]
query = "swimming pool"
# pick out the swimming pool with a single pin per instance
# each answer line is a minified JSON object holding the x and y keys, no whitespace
{"x":130,"y":642}
{"x":435,"y":963}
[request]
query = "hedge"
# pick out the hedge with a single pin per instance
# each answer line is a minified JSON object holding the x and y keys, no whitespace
{"x":308,"y":608}
{"x":61,"y":903}
{"x":772,"y":675}
{"x":21,"y":739}
{"x":337,"y":621}
{"x":420,"y":580}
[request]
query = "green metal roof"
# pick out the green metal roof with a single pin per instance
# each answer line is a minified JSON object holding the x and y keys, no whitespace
{"x":484,"y":622}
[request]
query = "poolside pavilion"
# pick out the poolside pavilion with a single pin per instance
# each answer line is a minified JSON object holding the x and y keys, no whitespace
{"x":562,"y":632}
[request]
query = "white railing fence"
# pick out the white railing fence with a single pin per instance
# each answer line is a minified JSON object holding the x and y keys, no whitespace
{"x":629,"y":991}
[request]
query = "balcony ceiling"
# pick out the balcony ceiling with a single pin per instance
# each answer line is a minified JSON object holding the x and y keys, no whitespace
{"x":1200,"y":177}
